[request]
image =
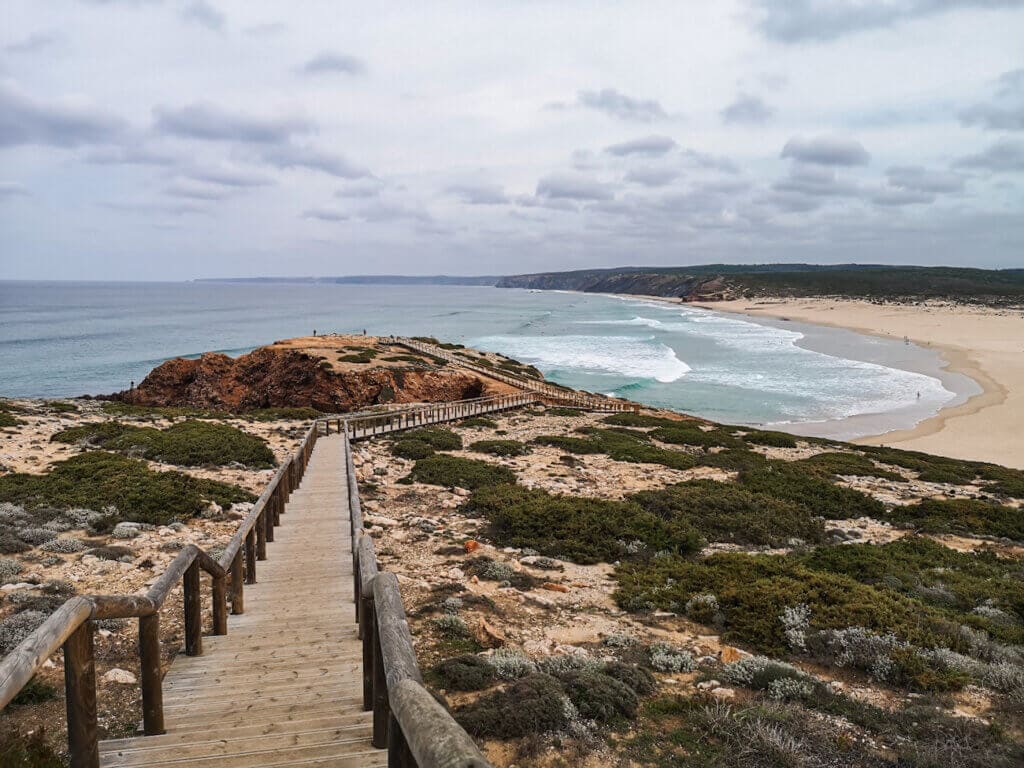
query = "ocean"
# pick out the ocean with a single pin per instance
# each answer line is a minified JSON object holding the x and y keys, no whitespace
{"x":61,"y":339}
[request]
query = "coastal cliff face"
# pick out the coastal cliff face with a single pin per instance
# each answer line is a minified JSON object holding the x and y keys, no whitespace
{"x":675,"y":285}
{"x":271,"y":377}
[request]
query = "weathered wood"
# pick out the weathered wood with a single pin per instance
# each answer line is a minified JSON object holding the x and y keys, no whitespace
{"x":169,"y":578}
{"x":432,"y":737}
{"x":250,"y":557}
{"x":394,"y":638}
{"x":220,"y":605}
{"x":193,"y":612}
{"x":381,"y":708}
{"x":121,"y":606}
{"x":150,"y":676}
{"x":399,"y":755}
{"x":80,"y":689}
{"x":237,"y":585}
{"x":368,"y":634}
{"x":261,"y":535}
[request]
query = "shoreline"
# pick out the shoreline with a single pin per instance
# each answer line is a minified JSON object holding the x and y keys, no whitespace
{"x":956,"y":430}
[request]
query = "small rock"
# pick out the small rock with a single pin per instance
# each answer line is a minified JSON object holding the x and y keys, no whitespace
{"x":471,"y":546}
{"x":456,"y":573}
{"x":116,"y":675}
{"x":553,"y":587}
{"x":708,"y":685}
{"x":730,"y":654}
{"x":383,"y":522}
{"x":723,"y":693}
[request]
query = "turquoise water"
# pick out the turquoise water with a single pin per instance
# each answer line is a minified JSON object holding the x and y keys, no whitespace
{"x":66,"y":339}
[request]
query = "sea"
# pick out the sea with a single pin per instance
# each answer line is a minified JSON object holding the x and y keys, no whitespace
{"x":63,"y":339}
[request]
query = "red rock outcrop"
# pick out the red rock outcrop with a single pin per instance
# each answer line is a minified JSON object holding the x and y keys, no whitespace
{"x":271,"y":377}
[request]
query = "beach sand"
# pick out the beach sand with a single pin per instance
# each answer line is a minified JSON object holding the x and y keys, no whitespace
{"x":982,"y":343}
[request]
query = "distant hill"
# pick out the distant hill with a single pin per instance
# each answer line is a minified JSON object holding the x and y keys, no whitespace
{"x":712,"y":282}
{"x":366,"y":280}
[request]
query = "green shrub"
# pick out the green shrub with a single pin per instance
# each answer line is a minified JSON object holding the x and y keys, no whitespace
{"x":734,"y":459}
{"x":500,"y":447}
{"x":838,"y":463}
{"x":770,"y":438}
{"x":690,"y":433}
{"x":789,"y":482}
{"x":620,"y":445}
{"x":99,"y":480}
{"x":579,"y":528}
{"x":626,"y":419}
{"x":437,"y":438}
{"x":60,"y":406}
{"x":1005,"y":481}
{"x":35,"y":691}
{"x":729,"y":512}
{"x":963,"y":516}
{"x":457,"y":472}
{"x":532,"y":705}
{"x":282,"y":414}
{"x":565,"y":412}
{"x":360,"y":358}
{"x":187,"y":443}
{"x":465,"y":673}
{"x":639,"y":680}
{"x":600,"y":697}
{"x":411,"y":449}
{"x":937,"y":469}
{"x":577,"y":445}
{"x":478,"y":421}
{"x":32,"y":751}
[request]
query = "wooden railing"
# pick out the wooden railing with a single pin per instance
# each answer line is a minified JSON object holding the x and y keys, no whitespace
{"x":559,"y":395}
{"x":416,"y":730}
{"x":71,"y":626}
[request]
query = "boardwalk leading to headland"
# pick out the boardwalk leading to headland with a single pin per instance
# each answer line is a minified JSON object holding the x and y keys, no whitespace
{"x":284,"y":686}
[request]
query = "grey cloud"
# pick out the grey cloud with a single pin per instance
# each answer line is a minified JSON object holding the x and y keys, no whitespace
{"x":196,"y":191}
{"x":919,"y":179}
{"x":747,"y":109}
{"x":479,"y":194}
{"x":34,"y":42}
{"x":231,"y":177}
{"x":266,"y":30}
{"x":617,"y":104}
{"x":698,"y":159}
{"x":826,"y":150}
{"x":797,"y":21}
{"x":648,"y":145}
{"x":1003,"y":156}
{"x":334,"y":62}
{"x":288,"y":156}
{"x":211,"y":123}
{"x":391,"y":211}
{"x":814,"y":180}
{"x":1006,"y":112}
{"x":128,"y":155}
{"x":896,"y":197}
{"x":572,"y":187}
{"x":24,"y":120}
{"x":325,"y":214}
{"x":363,"y":188}
{"x":204,"y":14}
{"x":651,"y":176}
{"x":12,"y":189}
{"x":174,"y":209}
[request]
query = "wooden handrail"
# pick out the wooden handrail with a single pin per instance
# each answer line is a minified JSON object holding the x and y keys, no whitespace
{"x":71,"y":626}
{"x":416,"y":730}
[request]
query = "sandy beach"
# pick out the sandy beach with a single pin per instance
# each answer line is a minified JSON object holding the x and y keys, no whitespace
{"x":983,"y":343}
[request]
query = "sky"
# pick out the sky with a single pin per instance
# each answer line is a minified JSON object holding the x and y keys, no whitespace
{"x":179,"y":139}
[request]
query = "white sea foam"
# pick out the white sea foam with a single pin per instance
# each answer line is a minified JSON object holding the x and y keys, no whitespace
{"x":631,"y":356}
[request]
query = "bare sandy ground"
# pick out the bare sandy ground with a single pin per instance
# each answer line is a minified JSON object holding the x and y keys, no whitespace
{"x":983,"y":343}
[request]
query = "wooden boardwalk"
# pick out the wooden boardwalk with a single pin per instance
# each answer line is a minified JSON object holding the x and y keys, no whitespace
{"x":284,"y":686}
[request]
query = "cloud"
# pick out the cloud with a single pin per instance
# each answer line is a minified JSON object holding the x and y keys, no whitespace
{"x":128,"y":155}
{"x":699,"y":159}
{"x":479,"y":194}
{"x":1006,"y":112}
{"x":826,"y":150}
{"x":362,"y":188}
{"x":196,"y":190}
{"x":266,"y":29}
{"x":334,"y":62}
{"x":747,"y":109}
{"x":12,"y":189}
{"x":617,"y":104}
{"x":651,"y":146}
{"x":325,"y":214}
{"x":919,"y":179}
{"x":210,"y":123}
{"x":798,"y":21}
{"x":572,"y":187}
{"x":1003,"y":156}
{"x":202,"y":13}
{"x":815,"y":181}
{"x":34,"y":42}
{"x":651,"y":176}
{"x":23,"y":120}
{"x":288,"y":156}
{"x":897,"y":197}
{"x":382,"y":211}
{"x":231,"y":177}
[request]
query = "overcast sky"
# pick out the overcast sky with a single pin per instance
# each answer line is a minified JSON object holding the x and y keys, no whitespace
{"x":171,"y":139}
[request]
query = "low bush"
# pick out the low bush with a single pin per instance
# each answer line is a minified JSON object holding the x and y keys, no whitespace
{"x":457,"y":472}
{"x":31,"y":751}
{"x":533,"y":705}
{"x":438,"y":438}
{"x":578,"y":528}
{"x":963,"y":516}
{"x":478,"y":421}
{"x":36,"y":691}
{"x":564,"y":412}
{"x":841,"y":463}
{"x":690,"y":433}
{"x":731,"y":513}
{"x":734,"y":460}
{"x":937,"y":469}
{"x":465,"y":673}
{"x":665,"y":658}
{"x":600,"y":697}
{"x":639,"y":679}
{"x":769,"y":438}
{"x":18,"y":626}
{"x":411,"y":449}
{"x":99,"y":480}
{"x":619,"y":444}
{"x":788,"y":481}
{"x":626,"y":419}
{"x":500,"y":447}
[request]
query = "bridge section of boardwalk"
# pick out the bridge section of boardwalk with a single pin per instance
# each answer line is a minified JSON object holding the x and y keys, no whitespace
{"x":284,"y":686}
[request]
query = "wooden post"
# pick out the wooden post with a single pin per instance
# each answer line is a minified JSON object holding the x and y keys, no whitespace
{"x":368,"y":631}
{"x":399,"y":755}
{"x":193,"y":612}
{"x":220,"y":605}
{"x":150,"y":677}
{"x":237,"y":587}
{"x":381,"y":708}
{"x":261,"y":535}
{"x":80,"y":690}
{"x":268,"y":519}
{"x":250,"y":557}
